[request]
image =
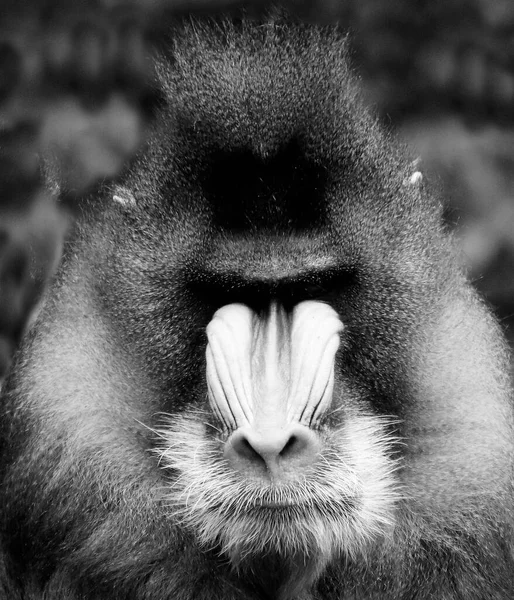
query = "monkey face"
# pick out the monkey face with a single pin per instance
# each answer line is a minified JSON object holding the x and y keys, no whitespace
{"x":270,"y":475}
{"x":250,"y":241}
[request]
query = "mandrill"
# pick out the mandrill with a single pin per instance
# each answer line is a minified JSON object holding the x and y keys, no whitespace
{"x":261,"y":373}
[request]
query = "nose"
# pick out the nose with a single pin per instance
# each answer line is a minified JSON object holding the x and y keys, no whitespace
{"x":272,"y":454}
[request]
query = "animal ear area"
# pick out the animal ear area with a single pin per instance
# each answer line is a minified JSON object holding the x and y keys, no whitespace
{"x":416,"y":177}
{"x":124,"y":197}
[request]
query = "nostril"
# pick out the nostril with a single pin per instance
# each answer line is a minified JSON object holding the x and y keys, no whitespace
{"x":289,"y":447}
{"x":245,"y":449}
{"x":272,"y":453}
{"x":265,"y":447}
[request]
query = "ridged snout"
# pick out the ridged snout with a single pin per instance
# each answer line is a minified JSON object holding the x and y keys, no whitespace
{"x":270,"y":380}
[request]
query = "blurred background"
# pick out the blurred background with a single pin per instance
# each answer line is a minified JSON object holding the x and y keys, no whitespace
{"x":75,"y":88}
